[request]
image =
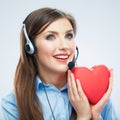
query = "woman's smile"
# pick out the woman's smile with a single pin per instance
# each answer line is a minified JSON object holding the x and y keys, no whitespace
{"x":55,"y":46}
{"x":61,"y":57}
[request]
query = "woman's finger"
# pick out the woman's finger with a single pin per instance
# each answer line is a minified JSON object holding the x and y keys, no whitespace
{"x":69,"y":85}
{"x":80,"y":90}
{"x":72,"y":87}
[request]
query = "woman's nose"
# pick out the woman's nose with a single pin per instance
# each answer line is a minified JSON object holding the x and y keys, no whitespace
{"x":63,"y":44}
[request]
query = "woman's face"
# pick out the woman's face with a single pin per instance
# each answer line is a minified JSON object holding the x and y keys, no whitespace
{"x":55,"y":46}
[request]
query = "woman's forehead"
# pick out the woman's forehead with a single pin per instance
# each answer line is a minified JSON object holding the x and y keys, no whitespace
{"x":59,"y":24}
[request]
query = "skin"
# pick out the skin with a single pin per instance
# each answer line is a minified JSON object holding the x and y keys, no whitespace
{"x":84,"y":110}
{"x":56,"y":41}
{"x":55,"y":48}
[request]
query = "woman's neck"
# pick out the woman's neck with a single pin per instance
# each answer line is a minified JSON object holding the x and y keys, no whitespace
{"x":57,"y":79}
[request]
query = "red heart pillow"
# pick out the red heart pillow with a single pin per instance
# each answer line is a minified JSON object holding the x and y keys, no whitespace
{"x":94,"y":81}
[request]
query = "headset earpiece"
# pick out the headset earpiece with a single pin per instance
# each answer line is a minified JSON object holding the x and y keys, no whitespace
{"x":29,"y":45}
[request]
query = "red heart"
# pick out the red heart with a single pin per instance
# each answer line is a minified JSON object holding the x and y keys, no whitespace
{"x":94,"y":81}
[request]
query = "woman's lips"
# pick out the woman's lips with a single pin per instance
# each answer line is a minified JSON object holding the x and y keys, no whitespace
{"x":61,"y":57}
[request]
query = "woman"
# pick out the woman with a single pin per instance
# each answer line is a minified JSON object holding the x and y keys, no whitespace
{"x":44,"y":88}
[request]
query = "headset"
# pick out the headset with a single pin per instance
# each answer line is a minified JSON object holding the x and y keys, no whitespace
{"x":29,"y":45}
{"x":71,"y":64}
{"x":31,"y":49}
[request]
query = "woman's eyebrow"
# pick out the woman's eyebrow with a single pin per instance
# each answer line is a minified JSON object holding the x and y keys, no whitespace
{"x":54,"y":32}
{"x":71,"y":30}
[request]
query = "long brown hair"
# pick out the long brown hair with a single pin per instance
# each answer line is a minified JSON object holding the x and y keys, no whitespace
{"x":24,"y":81}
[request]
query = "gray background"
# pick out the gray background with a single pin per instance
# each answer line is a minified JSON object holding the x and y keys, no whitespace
{"x":98,"y":36}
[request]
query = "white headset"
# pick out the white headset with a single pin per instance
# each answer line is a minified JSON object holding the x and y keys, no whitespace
{"x":29,"y":45}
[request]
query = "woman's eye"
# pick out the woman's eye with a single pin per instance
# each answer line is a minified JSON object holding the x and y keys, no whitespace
{"x":50,"y":37}
{"x":69,"y":36}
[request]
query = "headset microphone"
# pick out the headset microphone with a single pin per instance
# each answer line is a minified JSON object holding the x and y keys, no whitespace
{"x":29,"y":45}
{"x":72,"y":63}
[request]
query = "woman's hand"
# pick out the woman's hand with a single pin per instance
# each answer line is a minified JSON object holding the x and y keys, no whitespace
{"x":80,"y":102}
{"x":96,"y":109}
{"x":78,"y":99}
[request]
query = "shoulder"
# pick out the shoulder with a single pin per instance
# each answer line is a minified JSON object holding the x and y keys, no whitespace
{"x":108,"y":106}
{"x":8,"y":99}
{"x":8,"y":105}
{"x":108,"y":112}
